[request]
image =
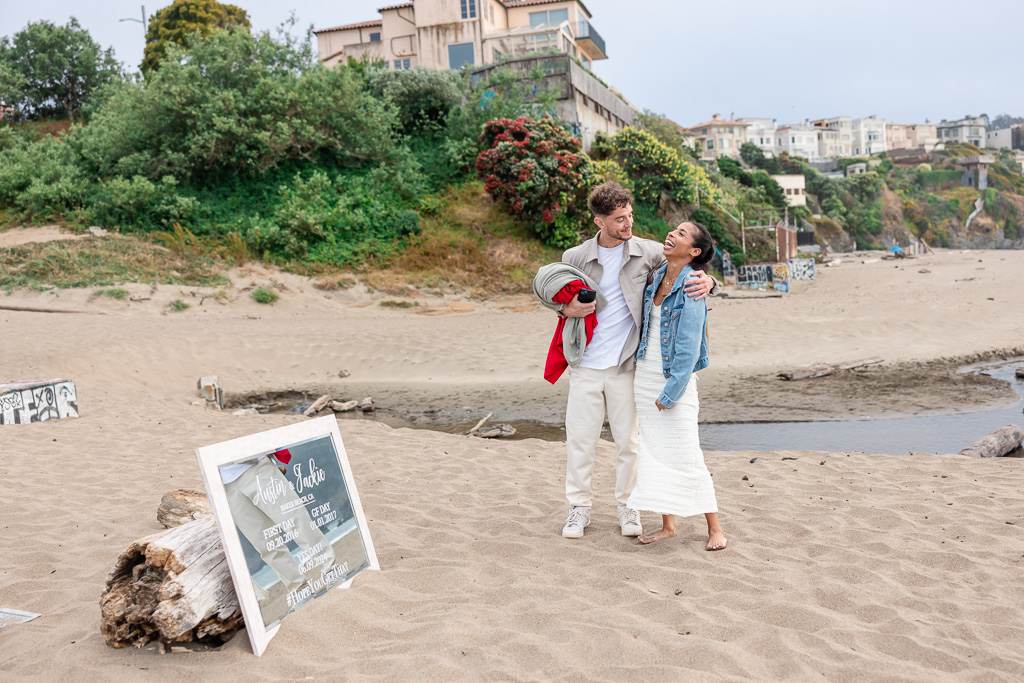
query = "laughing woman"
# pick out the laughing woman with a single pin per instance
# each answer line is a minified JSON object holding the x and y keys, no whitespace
{"x":672,"y":478}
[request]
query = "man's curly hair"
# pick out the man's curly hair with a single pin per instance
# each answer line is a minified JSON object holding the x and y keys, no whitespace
{"x":607,"y":197}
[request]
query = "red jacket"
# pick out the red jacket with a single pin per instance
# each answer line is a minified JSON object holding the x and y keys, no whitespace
{"x":556,"y":363}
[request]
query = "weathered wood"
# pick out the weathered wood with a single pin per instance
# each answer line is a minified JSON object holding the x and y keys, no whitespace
{"x":497,"y":431}
{"x":339,"y":407}
{"x":480,"y":424}
{"x":32,"y":309}
{"x":823,"y":370}
{"x":182,"y":506}
{"x":173,"y":586}
{"x":996,"y":444}
{"x":317,"y":406}
{"x":1019,"y":372}
{"x":367,"y":406}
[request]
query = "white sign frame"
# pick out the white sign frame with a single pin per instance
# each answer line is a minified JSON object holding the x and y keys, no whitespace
{"x":212,"y":457}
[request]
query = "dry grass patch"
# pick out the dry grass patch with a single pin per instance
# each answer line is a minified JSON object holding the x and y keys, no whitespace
{"x":103,"y":262}
{"x":469,"y":245}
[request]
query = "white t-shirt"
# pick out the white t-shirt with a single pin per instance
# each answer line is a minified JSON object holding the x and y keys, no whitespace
{"x":614,"y":321}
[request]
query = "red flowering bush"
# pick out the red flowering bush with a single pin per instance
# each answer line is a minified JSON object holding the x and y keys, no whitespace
{"x":540,"y":174}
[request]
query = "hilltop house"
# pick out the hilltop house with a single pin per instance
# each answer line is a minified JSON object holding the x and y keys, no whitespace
{"x":969,"y":130}
{"x":868,"y":136}
{"x":835,"y":137}
{"x":897,"y":136}
{"x":798,"y":140}
{"x":451,"y":34}
{"x":1011,"y":138}
{"x":922,"y":135}
{"x":761,"y":132}
{"x":719,"y":137}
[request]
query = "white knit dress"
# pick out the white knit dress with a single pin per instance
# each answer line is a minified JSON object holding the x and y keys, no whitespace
{"x":671,"y":477}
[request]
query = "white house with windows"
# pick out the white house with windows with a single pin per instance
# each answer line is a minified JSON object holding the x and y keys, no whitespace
{"x":970,"y":130}
{"x":450,"y":34}
{"x":720,"y":137}
{"x":795,"y":188}
{"x":798,"y":140}
{"x":835,"y":137}
{"x":868,"y":136}
{"x":761,"y":132}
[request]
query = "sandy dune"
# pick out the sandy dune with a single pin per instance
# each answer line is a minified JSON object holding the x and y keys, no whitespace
{"x":844,"y":567}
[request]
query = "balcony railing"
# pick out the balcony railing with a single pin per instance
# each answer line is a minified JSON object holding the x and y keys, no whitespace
{"x":588,"y":37}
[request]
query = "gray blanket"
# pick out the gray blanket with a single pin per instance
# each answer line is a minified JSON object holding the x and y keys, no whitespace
{"x":549,"y":280}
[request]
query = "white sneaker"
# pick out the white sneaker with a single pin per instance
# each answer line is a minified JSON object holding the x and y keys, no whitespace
{"x":577,"y":521}
{"x":629,"y":521}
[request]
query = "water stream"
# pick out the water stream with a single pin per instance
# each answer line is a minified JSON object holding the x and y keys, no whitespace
{"x":923,"y":434}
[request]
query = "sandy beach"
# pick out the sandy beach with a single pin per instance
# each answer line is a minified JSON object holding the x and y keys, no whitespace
{"x":842,"y":566}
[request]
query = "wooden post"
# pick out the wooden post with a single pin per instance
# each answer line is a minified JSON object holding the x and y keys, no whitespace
{"x":743,"y":231}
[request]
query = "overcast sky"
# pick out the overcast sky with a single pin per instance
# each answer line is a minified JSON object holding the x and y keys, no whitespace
{"x":905,"y":60}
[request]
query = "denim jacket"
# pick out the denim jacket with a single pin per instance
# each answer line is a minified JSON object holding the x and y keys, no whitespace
{"x":684,"y":346}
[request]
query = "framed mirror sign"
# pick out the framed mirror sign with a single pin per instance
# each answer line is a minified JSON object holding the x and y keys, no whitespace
{"x":289,"y":517}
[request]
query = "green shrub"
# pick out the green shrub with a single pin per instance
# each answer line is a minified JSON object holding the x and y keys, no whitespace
{"x":262,"y":295}
{"x":540,"y":174}
{"x":177,"y":306}
{"x":113,"y":293}
{"x":423,"y":98}
{"x":139,"y":204}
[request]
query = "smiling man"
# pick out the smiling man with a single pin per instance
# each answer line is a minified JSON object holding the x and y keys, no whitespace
{"x":620,"y":262}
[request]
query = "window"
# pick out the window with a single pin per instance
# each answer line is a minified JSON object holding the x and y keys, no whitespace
{"x":552,"y":18}
{"x":398,"y":63}
{"x":460,"y":54}
{"x":406,"y":64}
{"x":375,"y":37}
{"x":469,"y":9}
{"x":792,"y":141}
{"x":586,"y":63}
{"x":711,"y":143}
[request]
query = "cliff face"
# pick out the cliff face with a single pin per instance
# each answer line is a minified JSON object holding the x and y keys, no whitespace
{"x":994,"y":227}
{"x":895,"y":232}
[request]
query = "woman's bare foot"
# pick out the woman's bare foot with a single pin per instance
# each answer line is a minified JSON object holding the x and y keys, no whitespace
{"x":657,"y":536}
{"x":716,"y":541}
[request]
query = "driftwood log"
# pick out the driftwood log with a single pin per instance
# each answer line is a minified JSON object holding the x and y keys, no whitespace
{"x":1019,"y":372}
{"x":182,"y":506}
{"x":367,"y":406}
{"x":172,"y":587}
{"x":822,"y":370}
{"x":317,"y":406}
{"x":339,"y":407}
{"x":996,"y":444}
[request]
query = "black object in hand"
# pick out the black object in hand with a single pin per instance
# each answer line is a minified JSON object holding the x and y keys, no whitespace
{"x":586,"y":295}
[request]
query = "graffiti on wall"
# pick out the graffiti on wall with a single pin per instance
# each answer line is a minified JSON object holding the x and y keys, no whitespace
{"x":801,"y":269}
{"x":37,"y":401}
{"x":754,"y":276}
{"x":728,"y":269}
{"x":780,"y":277}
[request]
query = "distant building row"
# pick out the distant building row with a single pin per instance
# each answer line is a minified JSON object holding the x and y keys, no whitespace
{"x":842,"y":136}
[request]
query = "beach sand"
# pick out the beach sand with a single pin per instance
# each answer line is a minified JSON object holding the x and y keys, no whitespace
{"x":841,"y":566}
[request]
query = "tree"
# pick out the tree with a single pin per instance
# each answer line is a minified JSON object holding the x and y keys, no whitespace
{"x":753,"y":156}
{"x":661,"y":128}
{"x":50,"y":70}
{"x":183,"y":18}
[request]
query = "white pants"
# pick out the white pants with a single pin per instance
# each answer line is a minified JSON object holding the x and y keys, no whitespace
{"x":591,"y":393}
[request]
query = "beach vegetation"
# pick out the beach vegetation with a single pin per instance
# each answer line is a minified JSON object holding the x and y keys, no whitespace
{"x":106,"y":262}
{"x":183,"y":20}
{"x":113,"y":293}
{"x":177,"y":305}
{"x":262,"y":295}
